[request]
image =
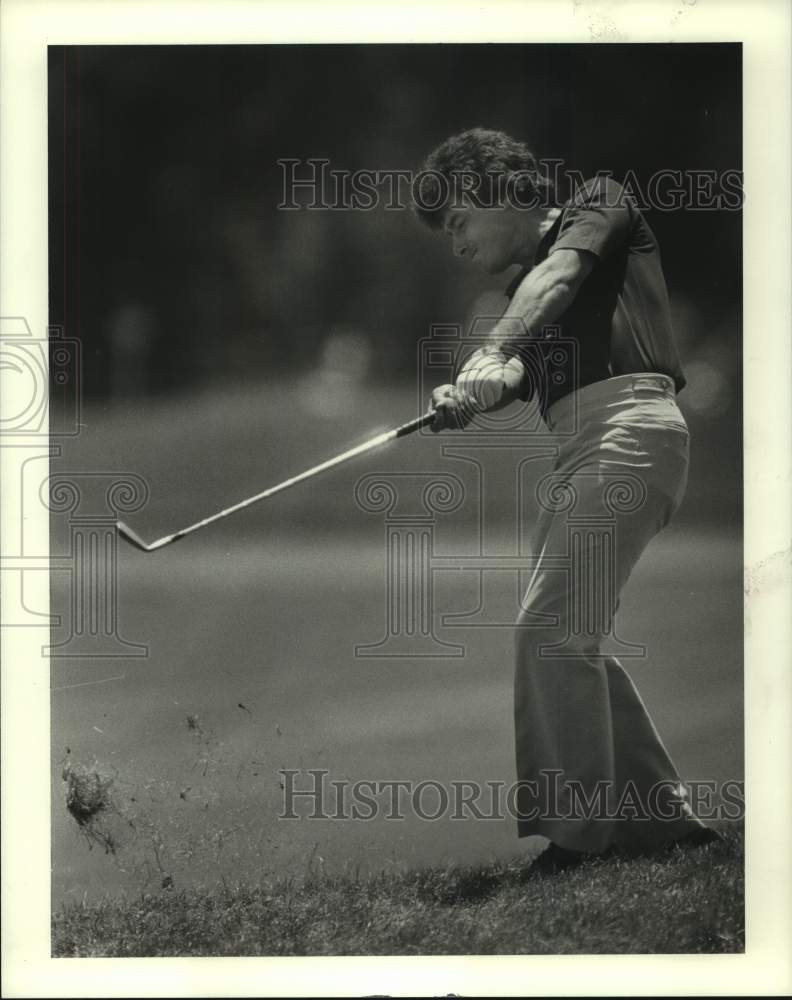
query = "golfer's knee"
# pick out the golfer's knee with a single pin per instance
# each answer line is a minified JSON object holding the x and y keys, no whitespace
{"x":539,"y":642}
{"x":544,"y":615}
{"x":532,"y":637}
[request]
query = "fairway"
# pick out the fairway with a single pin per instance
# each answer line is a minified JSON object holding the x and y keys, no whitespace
{"x":252,"y":670}
{"x":251,"y":628}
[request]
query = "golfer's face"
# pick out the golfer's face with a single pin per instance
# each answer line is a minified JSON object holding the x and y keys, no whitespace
{"x":484,"y":236}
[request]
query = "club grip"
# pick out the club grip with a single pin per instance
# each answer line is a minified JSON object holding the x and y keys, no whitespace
{"x":416,"y":424}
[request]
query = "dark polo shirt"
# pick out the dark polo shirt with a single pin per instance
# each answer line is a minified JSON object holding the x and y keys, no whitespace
{"x":620,"y":321}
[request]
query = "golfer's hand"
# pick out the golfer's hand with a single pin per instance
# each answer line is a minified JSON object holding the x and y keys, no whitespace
{"x":453,"y":410}
{"x":488,"y":377}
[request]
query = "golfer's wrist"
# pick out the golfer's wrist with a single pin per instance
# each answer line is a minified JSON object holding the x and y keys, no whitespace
{"x":478,"y":356}
{"x":482,"y":378}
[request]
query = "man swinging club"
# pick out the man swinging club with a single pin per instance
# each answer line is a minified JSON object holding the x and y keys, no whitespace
{"x":592,"y":268}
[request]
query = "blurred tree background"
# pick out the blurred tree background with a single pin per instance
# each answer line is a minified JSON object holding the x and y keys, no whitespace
{"x":172,"y":263}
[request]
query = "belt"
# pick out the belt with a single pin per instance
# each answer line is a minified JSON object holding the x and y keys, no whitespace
{"x":641,"y":385}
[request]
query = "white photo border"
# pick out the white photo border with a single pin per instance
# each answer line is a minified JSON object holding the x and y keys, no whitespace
{"x":763,"y":27}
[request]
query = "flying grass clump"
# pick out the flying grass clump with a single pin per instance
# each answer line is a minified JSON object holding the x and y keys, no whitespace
{"x":89,"y":801}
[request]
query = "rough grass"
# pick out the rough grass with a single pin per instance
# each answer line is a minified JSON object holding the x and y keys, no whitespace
{"x":688,"y":902}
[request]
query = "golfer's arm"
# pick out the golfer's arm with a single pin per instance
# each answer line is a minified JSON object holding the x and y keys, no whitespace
{"x":542,"y":297}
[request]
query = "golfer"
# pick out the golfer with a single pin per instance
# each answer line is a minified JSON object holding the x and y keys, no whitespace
{"x":591,"y":276}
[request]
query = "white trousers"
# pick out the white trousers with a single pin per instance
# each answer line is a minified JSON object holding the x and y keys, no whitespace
{"x":592,"y":770}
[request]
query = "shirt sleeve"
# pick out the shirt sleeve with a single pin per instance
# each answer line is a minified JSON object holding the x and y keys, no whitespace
{"x":598,"y":220}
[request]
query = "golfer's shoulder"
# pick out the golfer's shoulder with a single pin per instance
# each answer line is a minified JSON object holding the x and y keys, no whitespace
{"x":601,"y":191}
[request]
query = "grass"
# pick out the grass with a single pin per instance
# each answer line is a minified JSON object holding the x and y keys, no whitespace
{"x":688,"y":902}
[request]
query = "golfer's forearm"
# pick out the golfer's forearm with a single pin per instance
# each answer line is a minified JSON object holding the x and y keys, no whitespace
{"x":493,"y":376}
{"x":542,"y":297}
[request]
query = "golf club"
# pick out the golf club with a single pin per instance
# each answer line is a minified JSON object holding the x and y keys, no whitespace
{"x":134,"y":538}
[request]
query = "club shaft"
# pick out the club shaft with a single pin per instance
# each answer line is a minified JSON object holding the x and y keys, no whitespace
{"x":331,"y":463}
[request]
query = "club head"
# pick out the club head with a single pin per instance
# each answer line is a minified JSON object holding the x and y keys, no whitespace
{"x":132,"y":537}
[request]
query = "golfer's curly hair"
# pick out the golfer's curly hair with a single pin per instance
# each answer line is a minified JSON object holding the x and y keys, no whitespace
{"x":503,"y":164}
